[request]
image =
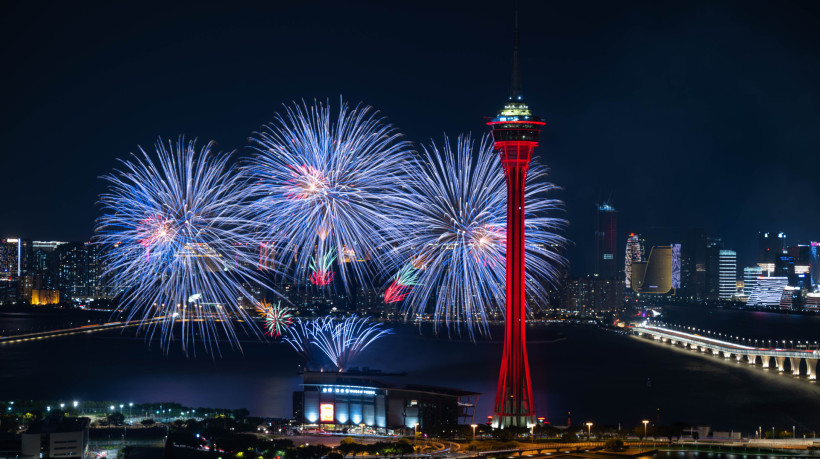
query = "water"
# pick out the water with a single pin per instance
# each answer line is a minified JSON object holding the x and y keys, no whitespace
{"x":578,"y":372}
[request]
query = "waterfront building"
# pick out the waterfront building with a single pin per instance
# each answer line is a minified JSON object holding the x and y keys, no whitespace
{"x":79,"y":271}
{"x":728,"y":274}
{"x":814,"y":265}
{"x":342,"y":399}
{"x":750,"y":276}
{"x":767,"y":292}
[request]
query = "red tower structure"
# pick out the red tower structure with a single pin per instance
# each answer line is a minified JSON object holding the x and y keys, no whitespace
{"x":515,"y":133}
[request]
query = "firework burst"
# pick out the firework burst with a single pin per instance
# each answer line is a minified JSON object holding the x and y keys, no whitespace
{"x":341,"y":340}
{"x":173,"y":246}
{"x":277,"y":318}
{"x":456,"y":210}
{"x":322,"y":183}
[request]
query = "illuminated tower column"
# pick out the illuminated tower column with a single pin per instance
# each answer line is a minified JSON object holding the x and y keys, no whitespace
{"x":515,"y":132}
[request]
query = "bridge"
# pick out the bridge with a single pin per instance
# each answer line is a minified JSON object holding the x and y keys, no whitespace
{"x":765,"y":357}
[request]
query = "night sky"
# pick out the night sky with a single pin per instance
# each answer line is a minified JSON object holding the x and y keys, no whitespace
{"x":684,"y":114}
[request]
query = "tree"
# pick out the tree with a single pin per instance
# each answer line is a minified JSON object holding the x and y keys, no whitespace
{"x":116,"y":419}
{"x":615,"y":444}
{"x":147,"y":422}
{"x":347,"y":446}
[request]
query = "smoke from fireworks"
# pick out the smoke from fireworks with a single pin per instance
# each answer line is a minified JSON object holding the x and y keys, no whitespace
{"x":172,"y":244}
{"x":456,"y":210}
{"x":341,"y":340}
{"x":277,"y":318}
{"x":322,"y":183}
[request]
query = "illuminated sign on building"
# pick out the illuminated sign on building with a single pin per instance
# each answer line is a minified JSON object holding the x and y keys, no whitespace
{"x":326,"y":412}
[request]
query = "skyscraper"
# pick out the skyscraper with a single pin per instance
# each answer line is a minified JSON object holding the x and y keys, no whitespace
{"x":712,"y":273}
{"x":728,"y":274}
{"x":770,"y":246}
{"x":515,"y":133}
{"x":634,"y":254}
{"x":606,"y":266}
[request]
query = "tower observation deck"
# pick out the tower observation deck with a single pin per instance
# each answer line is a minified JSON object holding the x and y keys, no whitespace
{"x":515,"y":133}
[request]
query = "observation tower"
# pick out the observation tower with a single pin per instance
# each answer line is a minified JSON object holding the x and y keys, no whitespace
{"x":515,"y":133}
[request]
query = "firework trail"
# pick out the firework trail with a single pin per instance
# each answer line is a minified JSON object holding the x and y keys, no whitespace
{"x":277,"y":318}
{"x":404,"y":280}
{"x":456,"y":210}
{"x":321,"y":273}
{"x":323,"y":184}
{"x":173,"y":244}
{"x":300,"y":337}
{"x":341,"y":340}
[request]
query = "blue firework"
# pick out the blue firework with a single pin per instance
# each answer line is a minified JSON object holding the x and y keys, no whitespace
{"x":323,"y":183}
{"x":340,"y":339}
{"x":174,"y":245}
{"x":455,"y":208}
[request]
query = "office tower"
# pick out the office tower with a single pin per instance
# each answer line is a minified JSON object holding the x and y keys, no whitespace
{"x":712,"y":273}
{"x":770,"y":246}
{"x":606,"y":220}
{"x":693,"y":264}
{"x":814,"y":264}
{"x":728,"y":274}
{"x":634,"y":254}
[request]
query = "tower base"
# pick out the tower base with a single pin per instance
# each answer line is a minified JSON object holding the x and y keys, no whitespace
{"x":505,"y":421}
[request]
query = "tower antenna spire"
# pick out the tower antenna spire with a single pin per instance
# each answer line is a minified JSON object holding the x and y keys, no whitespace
{"x":515,"y":88}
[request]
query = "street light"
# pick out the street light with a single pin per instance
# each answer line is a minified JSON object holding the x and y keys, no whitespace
{"x":473,"y":426}
{"x":645,"y":422}
{"x":589,"y":430}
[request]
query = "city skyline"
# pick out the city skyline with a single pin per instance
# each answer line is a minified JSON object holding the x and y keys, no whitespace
{"x":686,"y":134}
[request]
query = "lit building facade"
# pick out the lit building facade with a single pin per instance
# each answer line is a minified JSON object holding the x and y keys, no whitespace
{"x":655,"y":275}
{"x":767,"y":292}
{"x":728,"y":274}
{"x":634,"y":254}
{"x":750,"y":277}
{"x":353,"y":398}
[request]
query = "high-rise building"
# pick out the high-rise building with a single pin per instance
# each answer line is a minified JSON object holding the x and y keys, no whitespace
{"x":814,"y":264}
{"x":693,"y":264}
{"x":770,"y":246}
{"x":10,"y":270}
{"x":11,"y":258}
{"x":515,"y":133}
{"x":728,"y":274}
{"x":750,"y":277}
{"x":634,"y":254}
{"x":606,"y":225}
{"x":79,"y":270}
{"x":712,"y":273}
